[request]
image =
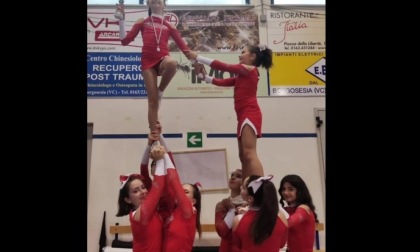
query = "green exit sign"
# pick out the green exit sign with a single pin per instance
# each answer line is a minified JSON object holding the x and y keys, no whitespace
{"x":194,"y":139}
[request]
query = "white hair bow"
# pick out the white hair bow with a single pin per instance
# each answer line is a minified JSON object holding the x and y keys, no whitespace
{"x":262,"y":47}
{"x":257,"y":183}
{"x":124,"y":178}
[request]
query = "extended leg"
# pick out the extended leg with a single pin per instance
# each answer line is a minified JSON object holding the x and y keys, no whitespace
{"x":150,"y":80}
{"x":251,"y":164}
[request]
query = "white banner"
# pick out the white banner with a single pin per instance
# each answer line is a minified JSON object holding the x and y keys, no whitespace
{"x":296,"y":30}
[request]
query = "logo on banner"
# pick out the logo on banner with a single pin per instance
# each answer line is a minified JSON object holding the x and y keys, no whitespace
{"x":107,"y":36}
{"x":104,"y":35}
{"x":109,"y":27}
{"x":318,"y":69}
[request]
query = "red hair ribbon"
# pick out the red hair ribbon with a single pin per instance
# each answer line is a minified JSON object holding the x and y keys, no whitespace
{"x":197,"y":184}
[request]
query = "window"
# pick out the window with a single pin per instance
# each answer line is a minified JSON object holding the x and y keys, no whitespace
{"x":212,"y":2}
{"x":175,"y":2}
{"x":298,"y":2}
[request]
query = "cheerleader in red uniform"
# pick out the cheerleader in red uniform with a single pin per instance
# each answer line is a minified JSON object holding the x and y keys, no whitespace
{"x":179,"y":233}
{"x":155,"y":60}
{"x":180,"y":205}
{"x":247,"y":110}
{"x":263,"y":227}
{"x":302,"y":215}
{"x":184,"y":219}
{"x":226,"y":210}
{"x":167,"y":201}
{"x":140,"y":204}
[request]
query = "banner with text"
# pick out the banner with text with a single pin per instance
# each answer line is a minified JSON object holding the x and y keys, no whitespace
{"x":186,"y":84}
{"x":297,"y":38}
{"x":103,"y":33}
{"x":114,"y":74}
{"x":114,"y":70}
{"x":203,"y":30}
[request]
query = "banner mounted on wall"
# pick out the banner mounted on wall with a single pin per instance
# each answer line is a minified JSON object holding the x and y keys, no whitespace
{"x":114,"y":70}
{"x":297,"y":38}
{"x":114,"y":74}
{"x":186,"y":84}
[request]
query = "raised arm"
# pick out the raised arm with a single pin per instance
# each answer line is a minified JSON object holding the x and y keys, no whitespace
{"x":127,"y":38}
{"x":176,"y":35}
{"x":144,"y":168}
{"x":164,"y":144}
{"x":175,"y":184}
{"x":169,"y":194}
{"x":148,"y":207}
{"x":144,"y":165}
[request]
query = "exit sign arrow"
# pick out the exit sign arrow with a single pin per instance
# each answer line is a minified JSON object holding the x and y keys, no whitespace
{"x":194,"y":139}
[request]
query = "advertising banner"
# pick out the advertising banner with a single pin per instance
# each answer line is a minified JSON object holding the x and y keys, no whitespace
{"x":218,"y":30}
{"x":186,"y":84}
{"x":114,"y":74}
{"x":297,"y":38}
{"x":114,"y":70}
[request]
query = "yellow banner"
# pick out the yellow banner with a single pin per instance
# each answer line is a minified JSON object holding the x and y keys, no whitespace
{"x":298,"y":73}
{"x":297,"y":38}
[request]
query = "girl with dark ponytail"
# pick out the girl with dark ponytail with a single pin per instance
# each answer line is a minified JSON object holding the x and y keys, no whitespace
{"x":247,"y":110}
{"x":263,"y":227}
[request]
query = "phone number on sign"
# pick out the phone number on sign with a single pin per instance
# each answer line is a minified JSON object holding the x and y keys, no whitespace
{"x":116,"y":92}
